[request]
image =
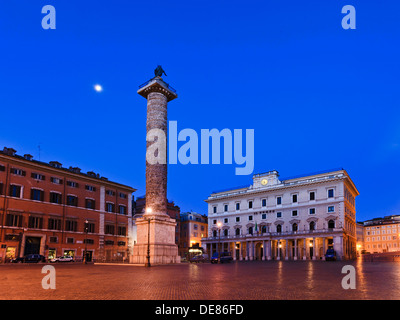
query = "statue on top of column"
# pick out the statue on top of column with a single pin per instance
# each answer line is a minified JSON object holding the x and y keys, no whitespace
{"x":159,"y":71}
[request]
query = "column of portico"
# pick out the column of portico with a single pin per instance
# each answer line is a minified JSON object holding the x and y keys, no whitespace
{"x":314,"y":257}
{"x":252,"y":251}
{"x":241,"y":250}
{"x":323,"y":248}
{"x":264,"y":250}
{"x":233,"y":250}
{"x":269,"y":256}
{"x":305,"y":249}
{"x":287,"y":249}
{"x":279,"y":250}
{"x":295,"y":249}
{"x":247,"y":251}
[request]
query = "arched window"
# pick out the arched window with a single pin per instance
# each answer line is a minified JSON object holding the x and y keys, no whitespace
{"x":215,"y":233}
{"x":225,"y":232}
{"x":312,"y":225}
{"x":237,"y":231}
{"x":264,"y":229}
{"x":331,"y":224}
{"x":278,"y":228}
{"x":250,"y":230}
{"x":294,"y":227}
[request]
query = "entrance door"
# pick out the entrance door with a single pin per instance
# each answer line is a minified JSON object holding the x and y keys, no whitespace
{"x":32,"y":245}
{"x":89,"y":256}
{"x":311,"y":252}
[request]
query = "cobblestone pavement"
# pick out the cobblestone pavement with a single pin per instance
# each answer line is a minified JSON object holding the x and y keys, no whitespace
{"x":254,"y":280}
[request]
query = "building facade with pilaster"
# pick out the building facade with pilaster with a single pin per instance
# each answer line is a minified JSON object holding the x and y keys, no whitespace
{"x":291,"y":219}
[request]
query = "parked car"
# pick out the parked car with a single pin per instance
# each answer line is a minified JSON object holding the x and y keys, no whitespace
{"x":63,"y":259}
{"x":198,"y":258}
{"x":17,"y":260}
{"x":330,"y":255}
{"x":34,"y":258}
{"x":223,"y":257}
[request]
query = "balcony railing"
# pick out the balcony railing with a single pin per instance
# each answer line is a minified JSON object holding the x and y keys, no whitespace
{"x":275,"y":234}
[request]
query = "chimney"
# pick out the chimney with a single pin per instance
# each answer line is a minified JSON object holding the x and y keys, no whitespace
{"x":28,"y":156}
{"x":9,"y":151}
{"x":55,"y":164}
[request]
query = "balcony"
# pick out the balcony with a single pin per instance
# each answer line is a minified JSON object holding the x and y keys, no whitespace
{"x":276,"y":235}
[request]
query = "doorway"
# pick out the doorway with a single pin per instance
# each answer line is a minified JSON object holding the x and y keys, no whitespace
{"x":32,"y":245}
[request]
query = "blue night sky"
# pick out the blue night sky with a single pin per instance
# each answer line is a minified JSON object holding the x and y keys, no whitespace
{"x":317,"y":96}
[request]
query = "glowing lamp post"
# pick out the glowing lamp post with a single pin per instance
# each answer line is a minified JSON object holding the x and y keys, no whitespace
{"x":148,"y":210}
{"x":219,"y":224}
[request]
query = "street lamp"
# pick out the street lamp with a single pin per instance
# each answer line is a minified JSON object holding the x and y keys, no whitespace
{"x":219,"y":224}
{"x":86,"y":231}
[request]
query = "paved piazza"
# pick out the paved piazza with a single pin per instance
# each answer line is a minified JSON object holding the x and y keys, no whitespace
{"x":252,"y":280}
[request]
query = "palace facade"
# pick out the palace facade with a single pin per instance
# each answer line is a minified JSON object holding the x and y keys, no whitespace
{"x":293,"y":218}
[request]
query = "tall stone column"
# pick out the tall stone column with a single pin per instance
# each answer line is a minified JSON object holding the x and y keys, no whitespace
{"x":155,"y":229}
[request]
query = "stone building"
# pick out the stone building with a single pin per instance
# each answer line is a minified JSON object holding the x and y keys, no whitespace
{"x":53,"y":211}
{"x":293,"y":218}
{"x":194,"y":227}
{"x":381,"y":234}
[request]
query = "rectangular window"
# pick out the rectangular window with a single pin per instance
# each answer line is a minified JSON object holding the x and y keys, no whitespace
{"x":55,"y":197}
{"x":331,"y":209}
{"x":90,"y":204}
{"x":70,"y":240}
{"x":122,"y":209}
{"x":250,"y":204}
{"x":226,"y":208}
{"x":15,"y":191}
{"x":53,"y":240}
{"x":264,"y":216}
{"x":89,"y":227}
{"x":37,"y":195}
{"x":109,"y":207}
{"x":312,"y":211}
{"x":214,"y":209}
{"x":90,"y":188}
{"x":14,"y":220}
{"x":109,"y":229}
{"x":56,"y":180}
{"x":237,"y":219}
{"x":18,"y":172}
{"x":122,"y":231}
{"x":72,"y":184}
{"x":122,"y":195}
{"x":250,"y":218}
{"x":312,"y":195}
{"x":294,"y":198}
{"x":264,"y":202}
{"x":71,"y":225}
{"x":279,"y":214}
{"x":225,"y":220}
{"x":278,"y":200}
{"x":237,"y":206}
{"x":110,"y":193}
{"x":35,"y":222}
{"x":294,"y":213}
{"x":1,"y":188}
{"x":72,"y":201}
{"x":37,"y":176}
{"x":54,"y":224}
{"x":330,"y":193}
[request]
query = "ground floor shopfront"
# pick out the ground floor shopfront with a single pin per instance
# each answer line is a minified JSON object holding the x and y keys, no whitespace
{"x":285,"y":245}
{"x":22,"y":242}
